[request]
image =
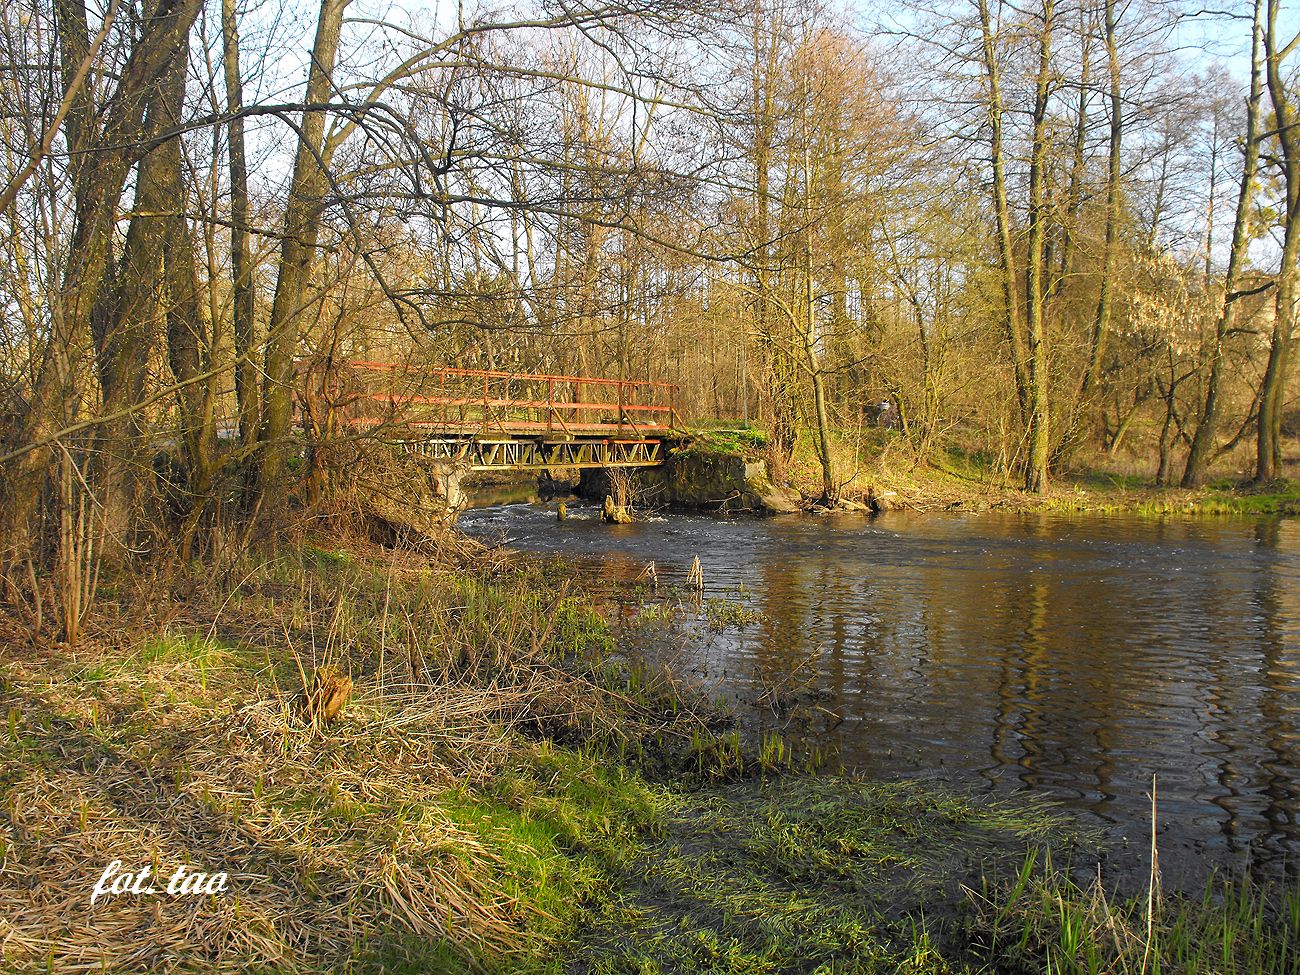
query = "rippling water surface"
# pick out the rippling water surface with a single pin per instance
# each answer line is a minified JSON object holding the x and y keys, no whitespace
{"x":1074,"y":657}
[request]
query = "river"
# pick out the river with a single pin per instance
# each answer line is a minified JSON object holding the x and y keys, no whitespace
{"x":1071,"y":657}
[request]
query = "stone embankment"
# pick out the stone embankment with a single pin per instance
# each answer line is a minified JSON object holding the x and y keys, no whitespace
{"x":702,"y":480}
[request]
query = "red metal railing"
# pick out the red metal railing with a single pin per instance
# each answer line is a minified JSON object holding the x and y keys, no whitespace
{"x":485,"y":402}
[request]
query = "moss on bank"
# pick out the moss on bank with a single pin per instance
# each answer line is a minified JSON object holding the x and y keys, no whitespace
{"x":501,"y":794}
{"x":747,"y":442}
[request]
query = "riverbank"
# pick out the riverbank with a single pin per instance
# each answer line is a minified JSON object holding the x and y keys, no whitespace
{"x":949,"y":487}
{"x":877,"y":478}
{"x":502,"y":791}
{"x":877,"y":466}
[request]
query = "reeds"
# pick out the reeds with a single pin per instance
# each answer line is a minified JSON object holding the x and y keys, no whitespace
{"x":1046,"y":921}
{"x":695,"y":576}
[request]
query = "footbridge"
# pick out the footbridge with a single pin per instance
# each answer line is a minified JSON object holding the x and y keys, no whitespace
{"x":492,"y":420}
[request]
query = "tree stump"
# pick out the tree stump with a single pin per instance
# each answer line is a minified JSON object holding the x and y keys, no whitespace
{"x":615,"y":514}
{"x":330,"y":692}
{"x":879,"y":501}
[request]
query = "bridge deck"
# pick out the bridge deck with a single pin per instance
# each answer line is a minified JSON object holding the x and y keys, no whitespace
{"x":495,"y":420}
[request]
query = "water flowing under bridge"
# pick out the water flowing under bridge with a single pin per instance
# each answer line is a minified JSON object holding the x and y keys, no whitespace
{"x":497,"y":420}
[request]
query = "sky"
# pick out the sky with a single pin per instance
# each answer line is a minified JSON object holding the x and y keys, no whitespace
{"x":1202,"y":39}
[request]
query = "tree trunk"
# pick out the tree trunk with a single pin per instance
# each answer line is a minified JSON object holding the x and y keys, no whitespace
{"x":781,"y":387}
{"x":74,"y":44}
{"x":99,"y":180}
{"x":125,"y":326}
{"x":241,"y":257}
{"x":1268,"y":453}
{"x":302,"y":218}
{"x":159,"y":272}
{"x":1163,"y":475}
{"x":1074,"y":193}
{"x":1039,"y":442}
{"x":818,"y":379}
{"x":1202,"y":450}
{"x":1101,"y":321}
{"x":1002,"y":211}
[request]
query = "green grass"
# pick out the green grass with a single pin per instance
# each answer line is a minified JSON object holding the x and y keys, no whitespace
{"x":749,"y":442}
{"x":1045,"y":921}
{"x":402,"y":953}
{"x":722,"y":614}
{"x":1131,"y":495}
{"x":187,"y":650}
{"x":835,"y":875}
{"x":1280,"y":498}
{"x":559,"y":821}
{"x":800,"y":874}
{"x":95,"y":673}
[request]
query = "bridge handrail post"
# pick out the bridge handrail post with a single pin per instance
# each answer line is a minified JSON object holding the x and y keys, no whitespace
{"x":442,"y":395}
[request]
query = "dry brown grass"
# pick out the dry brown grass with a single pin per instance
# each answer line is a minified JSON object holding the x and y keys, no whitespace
{"x":186,"y":748}
{"x":235,"y":786}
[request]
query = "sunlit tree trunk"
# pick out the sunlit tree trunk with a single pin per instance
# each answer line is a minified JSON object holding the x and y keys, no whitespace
{"x":1012,"y":321}
{"x":817,"y":374}
{"x":302,"y":220}
{"x":1039,"y":443}
{"x":1268,"y":453}
{"x":781,"y":384}
{"x":1101,"y":321}
{"x":1203,"y":441}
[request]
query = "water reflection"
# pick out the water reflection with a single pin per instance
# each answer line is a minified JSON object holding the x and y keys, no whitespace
{"x":1071,"y":656}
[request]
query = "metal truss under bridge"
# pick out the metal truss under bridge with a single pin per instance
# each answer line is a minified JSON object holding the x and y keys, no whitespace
{"x":536,"y":454}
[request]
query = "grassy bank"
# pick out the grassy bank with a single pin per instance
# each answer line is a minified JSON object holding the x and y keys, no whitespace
{"x":879,"y":463}
{"x":955,"y":483}
{"x":748,"y":442}
{"x":501,"y":793}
